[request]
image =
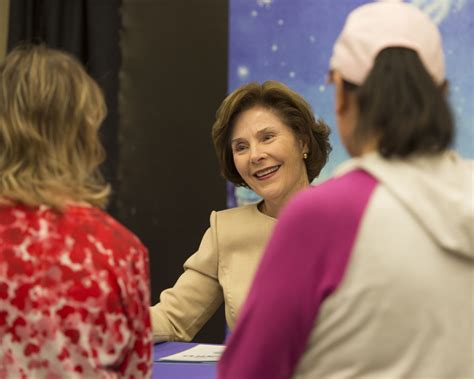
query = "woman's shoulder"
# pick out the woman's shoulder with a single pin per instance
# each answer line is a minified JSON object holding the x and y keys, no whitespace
{"x":243,"y":212}
{"x":104,"y":225}
{"x":244,"y":217}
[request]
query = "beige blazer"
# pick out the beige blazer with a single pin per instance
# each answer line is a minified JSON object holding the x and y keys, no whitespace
{"x":222,"y":269}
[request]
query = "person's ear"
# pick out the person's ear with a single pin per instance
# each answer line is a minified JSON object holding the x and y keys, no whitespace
{"x":445,"y":88}
{"x":304,"y":146}
{"x":341,"y":100}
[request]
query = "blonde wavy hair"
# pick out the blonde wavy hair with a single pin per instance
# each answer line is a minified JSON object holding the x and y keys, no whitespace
{"x":50,"y":113}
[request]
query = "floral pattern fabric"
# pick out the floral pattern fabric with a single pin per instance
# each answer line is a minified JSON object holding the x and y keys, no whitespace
{"x":74,"y":296}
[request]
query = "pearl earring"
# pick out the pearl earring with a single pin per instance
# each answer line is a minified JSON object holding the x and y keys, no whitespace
{"x":305,"y":155}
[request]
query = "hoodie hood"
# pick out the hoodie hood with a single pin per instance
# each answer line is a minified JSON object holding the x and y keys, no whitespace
{"x":437,"y":190}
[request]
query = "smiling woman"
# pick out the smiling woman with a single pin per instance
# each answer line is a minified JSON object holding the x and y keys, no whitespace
{"x":269,"y":157}
{"x":266,"y":138}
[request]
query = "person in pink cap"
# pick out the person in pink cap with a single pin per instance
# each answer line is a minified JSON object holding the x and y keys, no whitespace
{"x":370,"y":274}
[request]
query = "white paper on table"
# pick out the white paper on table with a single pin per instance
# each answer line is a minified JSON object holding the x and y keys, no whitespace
{"x":198,"y":353}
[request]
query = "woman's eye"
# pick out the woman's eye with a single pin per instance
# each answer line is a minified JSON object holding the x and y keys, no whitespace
{"x":239,"y":147}
{"x":268,"y":137}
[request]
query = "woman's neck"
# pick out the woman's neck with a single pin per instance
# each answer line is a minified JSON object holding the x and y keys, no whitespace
{"x":273,"y":208}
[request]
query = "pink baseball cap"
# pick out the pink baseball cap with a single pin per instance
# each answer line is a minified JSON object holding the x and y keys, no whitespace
{"x":386,"y":23}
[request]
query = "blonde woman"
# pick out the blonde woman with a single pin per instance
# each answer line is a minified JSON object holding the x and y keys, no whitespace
{"x":74,"y":283}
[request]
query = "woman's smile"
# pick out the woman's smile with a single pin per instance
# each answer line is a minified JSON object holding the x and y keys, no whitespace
{"x":267,"y":173}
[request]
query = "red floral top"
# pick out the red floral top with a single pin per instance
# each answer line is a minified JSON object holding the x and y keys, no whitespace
{"x":74,"y":296}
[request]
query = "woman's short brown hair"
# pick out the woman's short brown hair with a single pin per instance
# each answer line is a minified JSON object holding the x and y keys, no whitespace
{"x":292,"y":109}
{"x":50,"y":113}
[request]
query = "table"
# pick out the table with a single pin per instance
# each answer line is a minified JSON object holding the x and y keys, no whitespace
{"x":175,"y":370}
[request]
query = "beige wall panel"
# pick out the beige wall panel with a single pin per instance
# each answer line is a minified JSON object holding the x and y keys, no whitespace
{"x":4,"y":14}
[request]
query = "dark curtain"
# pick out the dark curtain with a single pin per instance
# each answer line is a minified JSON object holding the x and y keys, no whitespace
{"x":173,"y":79}
{"x":89,"y":29}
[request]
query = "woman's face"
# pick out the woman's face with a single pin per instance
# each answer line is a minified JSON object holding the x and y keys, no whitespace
{"x":268,"y":156}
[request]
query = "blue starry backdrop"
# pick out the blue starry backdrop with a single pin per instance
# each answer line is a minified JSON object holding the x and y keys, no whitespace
{"x":291,"y":41}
